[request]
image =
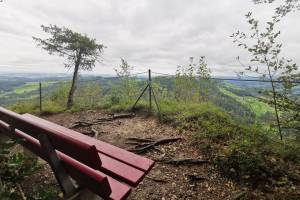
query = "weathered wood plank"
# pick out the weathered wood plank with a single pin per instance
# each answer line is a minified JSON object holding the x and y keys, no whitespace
{"x":83,"y":152}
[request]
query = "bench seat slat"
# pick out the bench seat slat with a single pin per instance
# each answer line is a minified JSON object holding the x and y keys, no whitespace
{"x":120,"y":170}
{"x":122,"y":155}
{"x":110,"y":166}
{"x":98,"y":182}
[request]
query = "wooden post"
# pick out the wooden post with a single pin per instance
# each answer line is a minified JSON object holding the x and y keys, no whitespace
{"x":40,"y":97}
{"x":150,"y":90}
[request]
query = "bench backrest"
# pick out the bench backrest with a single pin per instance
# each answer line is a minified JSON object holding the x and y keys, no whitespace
{"x":86,"y":176}
{"x":80,"y":151}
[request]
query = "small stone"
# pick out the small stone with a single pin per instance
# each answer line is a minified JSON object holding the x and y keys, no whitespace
{"x":232,"y":170}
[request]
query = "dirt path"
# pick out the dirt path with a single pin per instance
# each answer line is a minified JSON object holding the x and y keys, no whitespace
{"x":164,"y":181}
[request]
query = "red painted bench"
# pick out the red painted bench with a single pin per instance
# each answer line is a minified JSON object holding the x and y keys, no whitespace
{"x":104,"y":169}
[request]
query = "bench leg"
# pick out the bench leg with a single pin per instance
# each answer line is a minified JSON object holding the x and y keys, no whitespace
{"x":65,"y":182}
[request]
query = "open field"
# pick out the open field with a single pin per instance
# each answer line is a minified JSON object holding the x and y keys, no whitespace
{"x":31,"y":86}
{"x":22,"y":88}
{"x":258,"y":107}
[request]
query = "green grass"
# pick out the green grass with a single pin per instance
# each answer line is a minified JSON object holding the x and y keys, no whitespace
{"x":258,"y":107}
{"x":31,"y":86}
{"x":233,"y":86}
{"x":55,"y":101}
{"x":27,"y":87}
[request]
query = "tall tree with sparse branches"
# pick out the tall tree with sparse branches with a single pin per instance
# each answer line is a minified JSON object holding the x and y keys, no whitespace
{"x":80,"y":51}
{"x":265,"y":52}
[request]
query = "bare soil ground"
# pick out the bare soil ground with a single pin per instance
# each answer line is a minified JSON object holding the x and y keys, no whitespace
{"x":164,"y":181}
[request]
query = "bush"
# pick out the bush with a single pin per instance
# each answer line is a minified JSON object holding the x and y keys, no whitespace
{"x":45,"y":192}
{"x":259,"y":157}
{"x":14,"y":168}
{"x":205,"y":120}
{"x":244,"y":152}
{"x":31,"y":106}
{"x":88,"y":95}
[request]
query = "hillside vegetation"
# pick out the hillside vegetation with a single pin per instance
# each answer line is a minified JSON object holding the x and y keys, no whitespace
{"x":236,"y":131}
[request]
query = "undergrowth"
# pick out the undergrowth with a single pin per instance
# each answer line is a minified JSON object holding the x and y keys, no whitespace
{"x":248,"y":153}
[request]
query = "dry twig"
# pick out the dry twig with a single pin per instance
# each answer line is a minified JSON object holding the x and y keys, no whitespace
{"x":195,"y":177}
{"x":81,"y":123}
{"x":238,"y":195}
{"x":186,"y":161}
{"x":156,"y":179}
{"x":21,"y":191}
{"x":144,"y":145}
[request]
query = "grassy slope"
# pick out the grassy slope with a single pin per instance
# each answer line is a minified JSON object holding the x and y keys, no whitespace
{"x":26,"y":88}
{"x":255,"y":105}
{"x":31,"y":86}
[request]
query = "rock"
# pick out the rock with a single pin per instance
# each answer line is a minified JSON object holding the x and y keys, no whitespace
{"x":232,"y":170}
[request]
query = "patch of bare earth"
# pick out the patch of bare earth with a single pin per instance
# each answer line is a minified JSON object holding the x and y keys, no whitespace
{"x":165,"y":181}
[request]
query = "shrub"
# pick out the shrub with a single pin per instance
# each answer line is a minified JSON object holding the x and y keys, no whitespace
{"x":31,"y":106}
{"x":45,"y":192}
{"x":258,"y":157}
{"x":14,"y":168}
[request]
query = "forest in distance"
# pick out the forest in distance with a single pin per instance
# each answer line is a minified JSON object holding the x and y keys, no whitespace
{"x":234,"y":96}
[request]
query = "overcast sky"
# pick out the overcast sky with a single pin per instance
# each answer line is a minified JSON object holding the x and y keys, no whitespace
{"x":156,"y":34}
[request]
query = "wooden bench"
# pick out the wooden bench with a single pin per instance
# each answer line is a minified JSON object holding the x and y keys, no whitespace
{"x":102,"y":168}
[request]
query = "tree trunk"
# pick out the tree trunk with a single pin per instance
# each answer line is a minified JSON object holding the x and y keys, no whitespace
{"x":275,"y":101}
{"x":74,"y":80}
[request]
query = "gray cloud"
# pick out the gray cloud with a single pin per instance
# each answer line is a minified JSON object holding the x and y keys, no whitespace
{"x":156,"y":34}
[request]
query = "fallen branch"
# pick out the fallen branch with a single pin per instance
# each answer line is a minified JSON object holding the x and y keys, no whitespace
{"x":114,"y":117}
{"x":156,"y":179}
{"x":144,"y":145}
{"x":294,"y":177}
{"x":195,"y":177}
{"x":137,"y":144}
{"x":79,"y":124}
{"x":92,"y":133}
{"x":100,"y":120}
{"x":95,"y":133}
{"x":187,"y":161}
{"x":122,"y":116}
{"x":85,"y":124}
{"x":21,"y":191}
{"x":139,"y":139}
{"x":238,"y":195}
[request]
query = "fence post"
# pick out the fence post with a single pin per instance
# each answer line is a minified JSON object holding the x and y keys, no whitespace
{"x":40,"y":83}
{"x":150,"y":90}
